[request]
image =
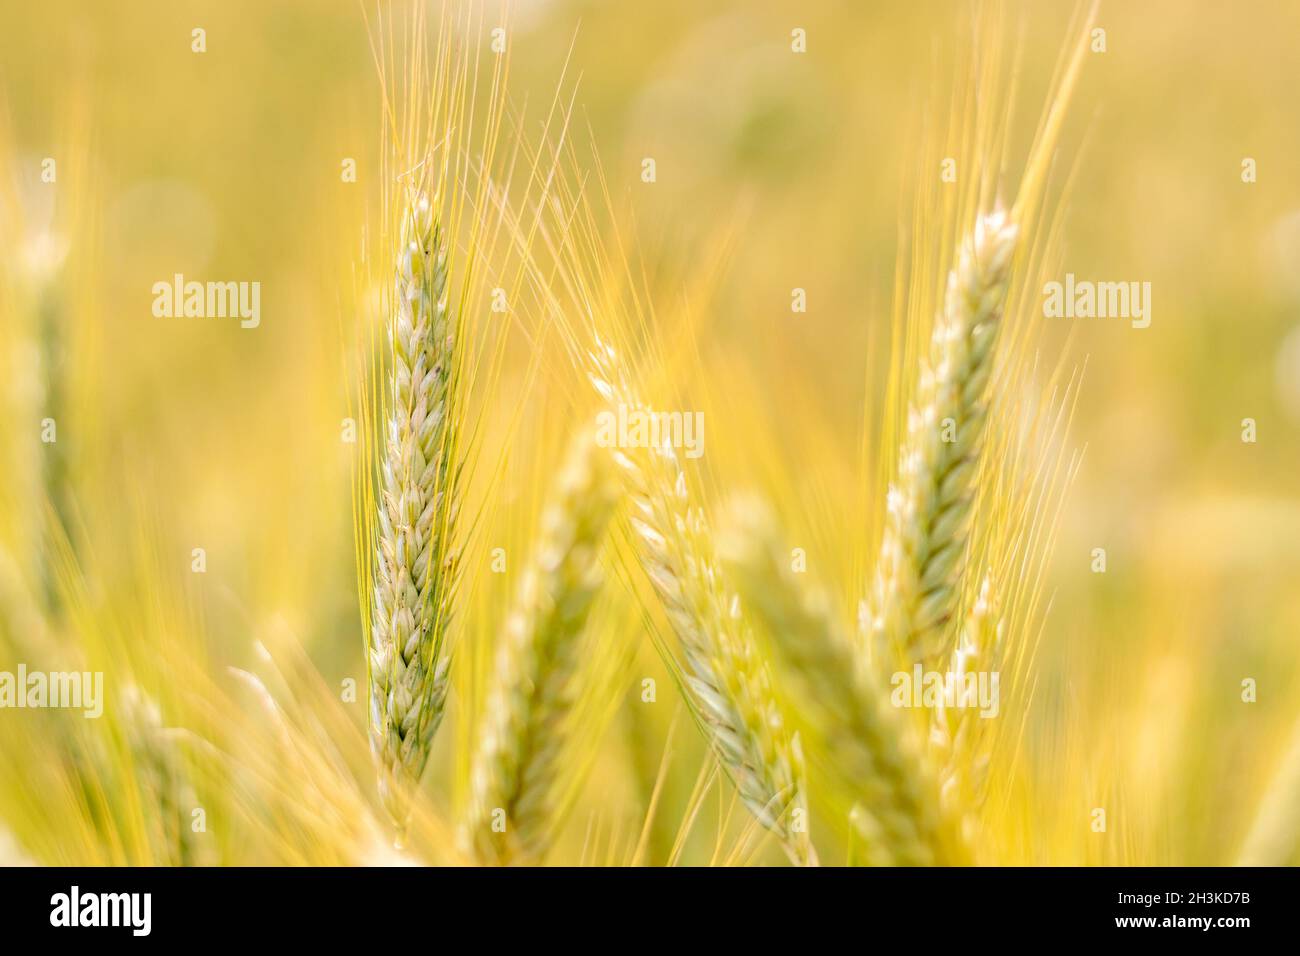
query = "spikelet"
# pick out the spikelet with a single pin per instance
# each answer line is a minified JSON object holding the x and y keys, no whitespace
{"x":726,"y":681}
{"x":916,"y":587}
{"x":898,"y":813}
{"x":531,"y":699}
{"x":413,"y":570}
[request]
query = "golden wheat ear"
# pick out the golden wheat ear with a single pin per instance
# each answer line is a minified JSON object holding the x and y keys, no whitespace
{"x":534,"y":688}
{"x":898,"y":814}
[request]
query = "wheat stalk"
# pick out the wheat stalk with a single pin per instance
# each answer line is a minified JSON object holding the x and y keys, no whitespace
{"x":898,"y":812}
{"x":725,"y":680}
{"x":916,"y":585}
{"x":534,"y":689}
{"x":413,"y":569}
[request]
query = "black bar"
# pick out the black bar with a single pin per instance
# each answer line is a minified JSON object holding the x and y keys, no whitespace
{"x":429,"y":907}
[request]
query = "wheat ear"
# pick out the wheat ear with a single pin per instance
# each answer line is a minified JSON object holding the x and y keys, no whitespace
{"x":160,"y":771}
{"x":725,"y":680}
{"x":957,"y":733}
{"x":534,"y":687}
{"x":898,"y":812}
{"x":915,"y":591}
{"x":413,"y":579}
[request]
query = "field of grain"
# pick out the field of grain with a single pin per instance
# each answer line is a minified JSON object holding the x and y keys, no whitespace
{"x":577,"y":432}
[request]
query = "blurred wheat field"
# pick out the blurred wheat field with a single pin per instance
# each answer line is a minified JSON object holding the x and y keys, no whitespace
{"x":364,"y":588}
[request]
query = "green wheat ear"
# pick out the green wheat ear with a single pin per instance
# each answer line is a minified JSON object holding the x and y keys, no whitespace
{"x":898,"y":813}
{"x":534,"y":688}
{"x":927,"y":525}
{"x":727,"y":683}
{"x":957,"y":734}
{"x":417,"y":509}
